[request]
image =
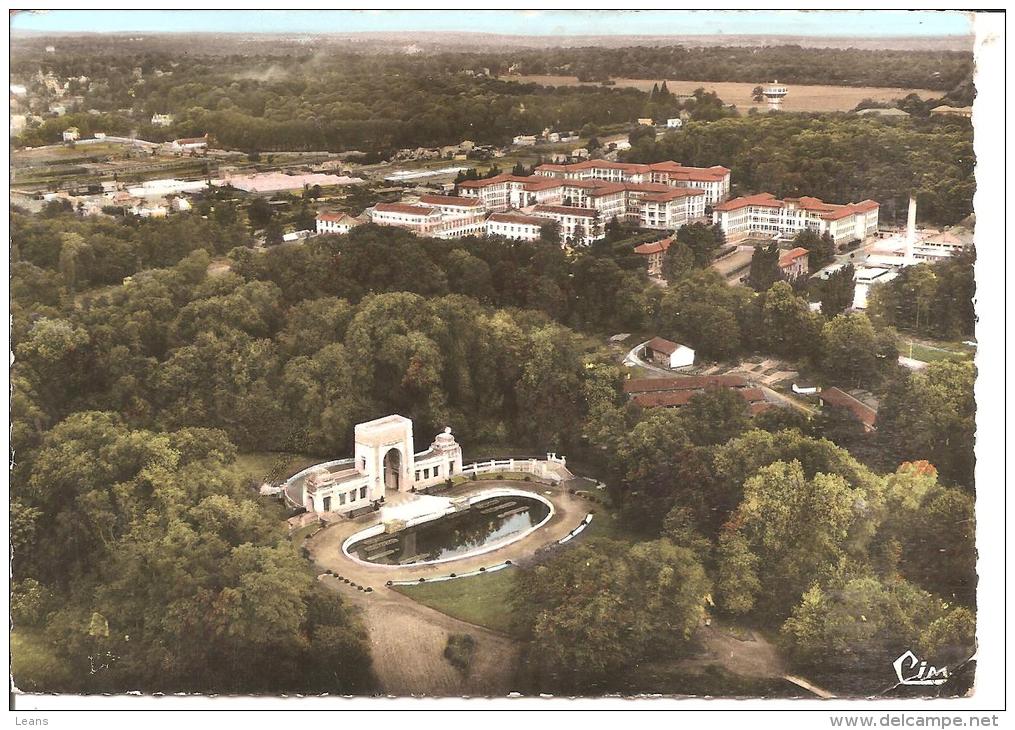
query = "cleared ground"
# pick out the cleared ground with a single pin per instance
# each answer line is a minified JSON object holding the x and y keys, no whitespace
{"x":800,"y":98}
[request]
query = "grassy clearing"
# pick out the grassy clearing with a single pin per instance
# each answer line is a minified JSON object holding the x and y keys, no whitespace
{"x":258,"y":465}
{"x":934,"y":354}
{"x":34,"y":666}
{"x":483,"y":600}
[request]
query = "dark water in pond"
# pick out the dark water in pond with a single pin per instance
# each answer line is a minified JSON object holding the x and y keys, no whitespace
{"x":486,"y":522}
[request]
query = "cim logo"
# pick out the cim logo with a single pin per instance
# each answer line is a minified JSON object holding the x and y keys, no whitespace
{"x":911,"y":671}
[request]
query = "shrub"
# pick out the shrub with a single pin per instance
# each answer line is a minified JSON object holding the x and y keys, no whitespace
{"x":459,"y":651}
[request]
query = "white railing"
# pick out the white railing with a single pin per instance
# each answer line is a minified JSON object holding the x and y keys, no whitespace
{"x":538,"y":467}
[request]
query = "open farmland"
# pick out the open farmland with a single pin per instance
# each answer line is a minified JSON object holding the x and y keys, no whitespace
{"x":799,"y":99}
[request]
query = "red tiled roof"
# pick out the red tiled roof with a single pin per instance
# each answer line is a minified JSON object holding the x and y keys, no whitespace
{"x":565,"y":210}
{"x":658,"y":344}
{"x":653,"y":247}
{"x":665,"y":399}
{"x":844,"y":211}
{"x":760,"y":407}
{"x":405,"y":208}
{"x":451,"y":200}
{"x":335,"y":217}
{"x":792,"y":255}
{"x":590,"y":164}
{"x":751,"y":395}
{"x":841,"y":399}
{"x":496,"y":179}
{"x":517,"y":218}
{"x":192,"y":140}
{"x":648,"y":187}
{"x":539,"y":183}
{"x":699,"y":174}
{"x":766,"y":200}
{"x":688,"y":382}
{"x":672,"y":194}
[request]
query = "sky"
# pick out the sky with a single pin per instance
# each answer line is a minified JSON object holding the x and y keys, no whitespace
{"x":849,"y":23}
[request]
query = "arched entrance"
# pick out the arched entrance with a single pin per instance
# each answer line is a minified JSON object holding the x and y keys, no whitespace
{"x":393,"y":470}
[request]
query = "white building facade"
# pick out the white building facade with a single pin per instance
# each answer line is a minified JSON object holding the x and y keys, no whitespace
{"x":767,"y":215}
{"x":384,"y":462}
{"x":338,"y":223}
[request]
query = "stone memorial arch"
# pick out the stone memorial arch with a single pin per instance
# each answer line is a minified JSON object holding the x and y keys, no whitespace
{"x":384,"y":453}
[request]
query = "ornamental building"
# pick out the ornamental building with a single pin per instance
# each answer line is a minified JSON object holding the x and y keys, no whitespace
{"x":383,"y":463}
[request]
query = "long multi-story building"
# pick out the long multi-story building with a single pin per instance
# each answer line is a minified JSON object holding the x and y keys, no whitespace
{"x":649,"y":205}
{"x":714,"y":181}
{"x":765,"y":214}
{"x":438,"y":216}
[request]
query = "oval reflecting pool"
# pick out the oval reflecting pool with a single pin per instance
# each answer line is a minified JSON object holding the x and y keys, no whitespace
{"x":485,"y":523}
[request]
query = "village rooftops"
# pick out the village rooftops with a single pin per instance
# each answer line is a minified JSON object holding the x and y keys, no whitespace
{"x":406,"y":208}
{"x":451,"y":200}
{"x":191,"y":140}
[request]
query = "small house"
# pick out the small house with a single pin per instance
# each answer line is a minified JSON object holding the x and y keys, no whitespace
{"x":668,"y":354}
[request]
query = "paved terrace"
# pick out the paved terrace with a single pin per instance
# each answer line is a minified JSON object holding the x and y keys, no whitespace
{"x":326,"y":546}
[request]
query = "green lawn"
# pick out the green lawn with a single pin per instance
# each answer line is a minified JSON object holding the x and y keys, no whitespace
{"x":933,"y":354}
{"x":483,"y":600}
{"x":34,"y":665}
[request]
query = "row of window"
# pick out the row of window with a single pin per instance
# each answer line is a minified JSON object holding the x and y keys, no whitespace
{"x":427,"y":473}
{"x":344,"y":497}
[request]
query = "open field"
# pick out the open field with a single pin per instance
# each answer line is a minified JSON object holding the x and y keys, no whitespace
{"x":931,"y":353}
{"x":799,"y":99}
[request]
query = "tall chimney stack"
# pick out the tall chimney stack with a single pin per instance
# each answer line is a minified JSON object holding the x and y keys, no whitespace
{"x":911,"y":229}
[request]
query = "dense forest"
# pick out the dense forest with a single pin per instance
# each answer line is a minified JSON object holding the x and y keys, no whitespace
{"x":938,"y":70}
{"x":343,"y":101}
